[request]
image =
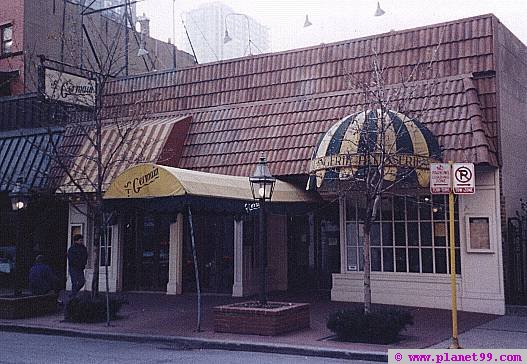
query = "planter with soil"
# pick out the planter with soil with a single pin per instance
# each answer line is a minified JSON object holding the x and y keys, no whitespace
{"x":273,"y":318}
{"x":24,"y":306}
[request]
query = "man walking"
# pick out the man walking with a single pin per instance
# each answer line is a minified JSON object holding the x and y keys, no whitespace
{"x":77,"y":259}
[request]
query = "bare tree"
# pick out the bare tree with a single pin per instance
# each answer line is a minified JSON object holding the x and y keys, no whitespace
{"x":370,"y":162}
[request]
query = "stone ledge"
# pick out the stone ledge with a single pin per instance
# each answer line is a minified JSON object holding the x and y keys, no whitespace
{"x":237,"y":319}
{"x":27,"y":306}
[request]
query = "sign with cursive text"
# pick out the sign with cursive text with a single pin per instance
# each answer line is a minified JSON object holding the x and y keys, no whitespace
{"x":69,"y":88}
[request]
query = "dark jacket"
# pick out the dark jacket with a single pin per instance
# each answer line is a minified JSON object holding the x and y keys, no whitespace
{"x":41,"y":279}
{"x":77,"y":257}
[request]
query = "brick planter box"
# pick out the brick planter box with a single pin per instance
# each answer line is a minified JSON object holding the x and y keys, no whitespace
{"x":27,"y":306}
{"x":279,"y":318}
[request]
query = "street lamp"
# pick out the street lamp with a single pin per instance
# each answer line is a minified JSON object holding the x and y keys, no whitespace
{"x":262,"y":186}
{"x":19,"y":197}
{"x":227,"y":38}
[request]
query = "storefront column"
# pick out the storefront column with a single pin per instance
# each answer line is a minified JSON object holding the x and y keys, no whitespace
{"x":237,"y":288}
{"x":343,"y":243}
{"x":175,"y":262}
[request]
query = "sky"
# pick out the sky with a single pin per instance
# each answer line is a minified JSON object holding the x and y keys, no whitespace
{"x":335,"y":20}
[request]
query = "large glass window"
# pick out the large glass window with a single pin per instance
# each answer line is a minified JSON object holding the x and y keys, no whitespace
{"x":409,"y":234}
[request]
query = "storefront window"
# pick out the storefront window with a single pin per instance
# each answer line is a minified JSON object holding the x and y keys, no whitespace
{"x":106,"y":248}
{"x":410,"y":234}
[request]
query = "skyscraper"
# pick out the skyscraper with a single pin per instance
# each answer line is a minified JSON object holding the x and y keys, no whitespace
{"x":206,"y":27}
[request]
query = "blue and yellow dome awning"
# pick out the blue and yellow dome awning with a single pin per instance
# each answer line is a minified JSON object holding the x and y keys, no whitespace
{"x":403,"y":146}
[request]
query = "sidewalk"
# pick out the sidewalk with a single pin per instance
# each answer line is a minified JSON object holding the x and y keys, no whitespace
{"x":158,"y":317}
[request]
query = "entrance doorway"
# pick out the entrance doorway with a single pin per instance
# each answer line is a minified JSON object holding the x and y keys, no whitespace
{"x":146,"y":252}
{"x":214,"y":239}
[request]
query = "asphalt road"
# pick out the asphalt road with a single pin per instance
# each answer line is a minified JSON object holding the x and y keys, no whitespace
{"x":28,"y":348}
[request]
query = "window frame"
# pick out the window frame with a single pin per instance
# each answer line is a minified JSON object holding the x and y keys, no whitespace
{"x":430,"y":248}
{"x":3,"y":28}
{"x":491,"y":226}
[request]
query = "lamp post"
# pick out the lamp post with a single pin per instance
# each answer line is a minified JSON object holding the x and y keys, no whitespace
{"x":262,"y":186}
{"x":19,"y":199}
{"x":227,"y":38}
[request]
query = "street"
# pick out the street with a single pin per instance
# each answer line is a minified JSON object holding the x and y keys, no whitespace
{"x":28,"y":348}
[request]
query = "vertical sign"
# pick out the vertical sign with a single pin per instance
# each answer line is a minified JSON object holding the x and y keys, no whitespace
{"x":439,"y":178}
{"x":463,"y":178}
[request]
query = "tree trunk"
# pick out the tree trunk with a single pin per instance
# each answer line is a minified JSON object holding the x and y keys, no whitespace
{"x":367,"y":267}
{"x":97,"y":233}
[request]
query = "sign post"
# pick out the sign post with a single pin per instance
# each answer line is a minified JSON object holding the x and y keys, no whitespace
{"x":455,"y":340}
{"x":452,"y":178}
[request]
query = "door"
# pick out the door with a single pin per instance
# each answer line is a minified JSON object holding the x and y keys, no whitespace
{"x":214,"y":239}
{"x":146,"y":252}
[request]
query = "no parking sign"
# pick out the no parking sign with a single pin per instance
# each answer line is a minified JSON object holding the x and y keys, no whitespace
{"x":463,"y":178}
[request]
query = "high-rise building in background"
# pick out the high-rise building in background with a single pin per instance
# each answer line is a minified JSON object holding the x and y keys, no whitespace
{"x":206,"y":27}
{"x":116,"y":13}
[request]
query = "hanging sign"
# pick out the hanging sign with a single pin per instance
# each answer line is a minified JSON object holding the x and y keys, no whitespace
{"x":439,"y":178}
{"x":66,"y":87}
{"x":463,"y":178}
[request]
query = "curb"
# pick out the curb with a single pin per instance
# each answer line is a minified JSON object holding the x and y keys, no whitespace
{"x":197,"y":343}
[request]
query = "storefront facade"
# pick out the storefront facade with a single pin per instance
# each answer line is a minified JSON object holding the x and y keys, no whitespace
{"x":280,"y":104}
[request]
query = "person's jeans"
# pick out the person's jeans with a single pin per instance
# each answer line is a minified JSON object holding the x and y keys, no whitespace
{"x":77,"y":281}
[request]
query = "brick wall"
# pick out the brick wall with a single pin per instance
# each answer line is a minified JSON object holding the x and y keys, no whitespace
{"x":12,"y":12}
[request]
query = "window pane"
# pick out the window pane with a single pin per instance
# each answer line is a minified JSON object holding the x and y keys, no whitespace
{"x":413,"y":234}
{"x":426,"y":234}
{"x":456,"y":232}
{"x":351,"y":231}
{"x":425,"y":208}
{"x":413,"y":260}
{"x":387,"y":259}
{"x":479,"y":233}
{"x":361,"y":258}
{"x":440,"y":234}
{"x":439,"y":207}
{"x":387,"y":234}
{"x":386,"y":209}
{"x":426,"y":255}
{"x":458,"y":262}
{"x":360,"y":228}
{"x":352,"y":259}
{"x":400,"y":259}
{"x":411,"y":208}
{"x":7,"y":46}
{"x":351,"y":213}
{"x":375,"y":234}
{"x":375,"y":259}
{"x":400,"y":234}
{"x":398,"y":208}
{"x":7,"y":33}
{"x":440,"y":260}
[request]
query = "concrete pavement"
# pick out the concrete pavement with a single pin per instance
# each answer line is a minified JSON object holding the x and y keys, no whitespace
{"x":156,"y":317}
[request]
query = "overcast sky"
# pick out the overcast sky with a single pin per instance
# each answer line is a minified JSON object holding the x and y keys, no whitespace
{"x":335,"y":20}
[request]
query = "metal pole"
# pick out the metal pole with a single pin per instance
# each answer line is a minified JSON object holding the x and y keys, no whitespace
{"x":455,"y":341}
{"x":18,"y":260}
{"x":263,"y":254}
{"x":196,"y":271}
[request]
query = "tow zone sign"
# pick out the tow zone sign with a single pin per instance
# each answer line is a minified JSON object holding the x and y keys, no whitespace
{"x":460,"y":178}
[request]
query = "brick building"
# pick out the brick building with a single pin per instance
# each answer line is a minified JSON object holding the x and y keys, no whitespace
{"x":55,"y":29}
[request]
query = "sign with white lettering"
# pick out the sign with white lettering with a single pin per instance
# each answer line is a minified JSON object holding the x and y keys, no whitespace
{"x":439,"y":178}
{"x":464,"y":179}
{"x":69,"y":88}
